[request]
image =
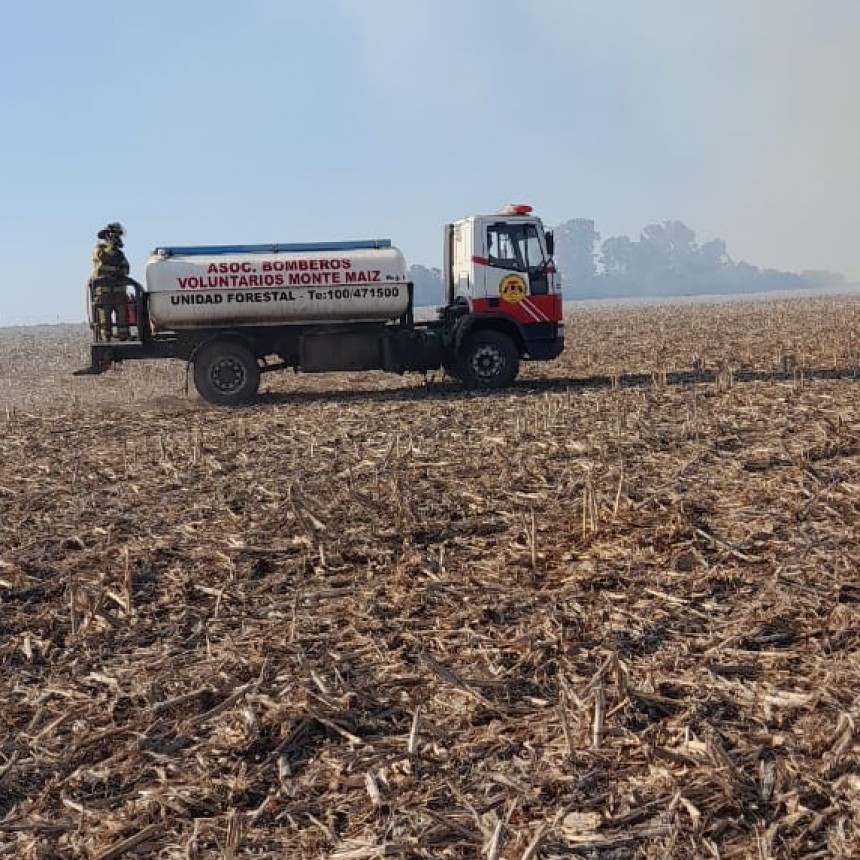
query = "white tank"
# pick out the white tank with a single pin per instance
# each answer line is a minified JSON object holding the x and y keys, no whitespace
{"x":195,"y":287}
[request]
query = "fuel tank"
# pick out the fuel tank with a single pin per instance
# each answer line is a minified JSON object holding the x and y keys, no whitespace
{"x":246,"y":285}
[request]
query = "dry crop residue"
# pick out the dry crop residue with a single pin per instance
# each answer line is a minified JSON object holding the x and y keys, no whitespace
{"x":610,"y":613}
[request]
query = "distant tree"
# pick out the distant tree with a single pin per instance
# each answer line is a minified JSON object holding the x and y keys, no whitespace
{"x":674,"y":238}
{"x":713,"y":255}
{"x":665,"y":253}
{"x":617,"y":256}
{"x":428,"y":286}
{"x":575,"y":245}
{"x":815,"y":278}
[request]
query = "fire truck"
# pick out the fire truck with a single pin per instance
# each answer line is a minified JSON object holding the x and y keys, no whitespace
{"x":238,"y":311}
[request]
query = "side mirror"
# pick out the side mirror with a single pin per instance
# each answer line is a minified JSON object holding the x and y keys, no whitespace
{"x":550,"y":243}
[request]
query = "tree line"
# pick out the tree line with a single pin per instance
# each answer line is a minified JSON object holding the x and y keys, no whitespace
{"x":666,"y":260}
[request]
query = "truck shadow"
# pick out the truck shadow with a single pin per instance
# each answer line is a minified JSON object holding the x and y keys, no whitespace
{"x":446,"y":389}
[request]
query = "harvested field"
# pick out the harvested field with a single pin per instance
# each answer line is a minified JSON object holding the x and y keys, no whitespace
{"x":609,"y":613}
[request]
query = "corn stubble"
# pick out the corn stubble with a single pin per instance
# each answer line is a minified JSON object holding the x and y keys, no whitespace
{"x":610,"y":613}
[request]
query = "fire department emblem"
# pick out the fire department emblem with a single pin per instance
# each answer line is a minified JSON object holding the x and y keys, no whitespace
{"x":512,"y":288}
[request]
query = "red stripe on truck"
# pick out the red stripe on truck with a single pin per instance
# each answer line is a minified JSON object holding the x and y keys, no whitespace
{"x":531,"y":310}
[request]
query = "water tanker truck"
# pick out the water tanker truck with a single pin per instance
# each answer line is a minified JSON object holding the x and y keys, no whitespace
{"x":237,"y":311}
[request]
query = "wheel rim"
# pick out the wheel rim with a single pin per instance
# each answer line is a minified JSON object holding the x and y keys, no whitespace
{"x":228,"y":375}
{"x":487,"y":361}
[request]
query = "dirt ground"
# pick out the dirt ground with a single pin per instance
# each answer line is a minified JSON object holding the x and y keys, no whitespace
{"x":611,"y":612}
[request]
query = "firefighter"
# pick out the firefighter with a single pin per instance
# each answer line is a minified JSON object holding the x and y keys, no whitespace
{"x":110,"y":270}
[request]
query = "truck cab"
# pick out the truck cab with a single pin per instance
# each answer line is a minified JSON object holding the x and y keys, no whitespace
{"x":499,"y":270}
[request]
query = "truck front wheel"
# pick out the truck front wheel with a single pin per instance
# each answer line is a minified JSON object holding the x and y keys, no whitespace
{"x":226,"y":373}
{"x":490,"y":360}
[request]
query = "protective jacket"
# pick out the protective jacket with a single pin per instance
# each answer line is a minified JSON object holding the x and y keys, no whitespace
{"x":110,"y":266}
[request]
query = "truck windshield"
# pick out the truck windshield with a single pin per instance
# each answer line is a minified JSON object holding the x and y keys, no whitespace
{"x":515,"y":246}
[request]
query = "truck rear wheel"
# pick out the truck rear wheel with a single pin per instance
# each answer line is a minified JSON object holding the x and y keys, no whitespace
{"x":490,"y":360}
{"x":226,"y":373}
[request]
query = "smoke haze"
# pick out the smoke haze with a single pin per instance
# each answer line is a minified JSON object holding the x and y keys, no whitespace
{"x":738,"y":116}
{"x":210,"y":122}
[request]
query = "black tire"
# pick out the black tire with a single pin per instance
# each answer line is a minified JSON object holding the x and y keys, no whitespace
{"x":226,"y":373}
{"x":490,"y":360}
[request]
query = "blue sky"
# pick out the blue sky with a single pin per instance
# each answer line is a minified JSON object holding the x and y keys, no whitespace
{"x":208,"y":121}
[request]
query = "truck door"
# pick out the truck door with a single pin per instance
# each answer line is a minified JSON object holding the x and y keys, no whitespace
{"x":516,"y":261}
